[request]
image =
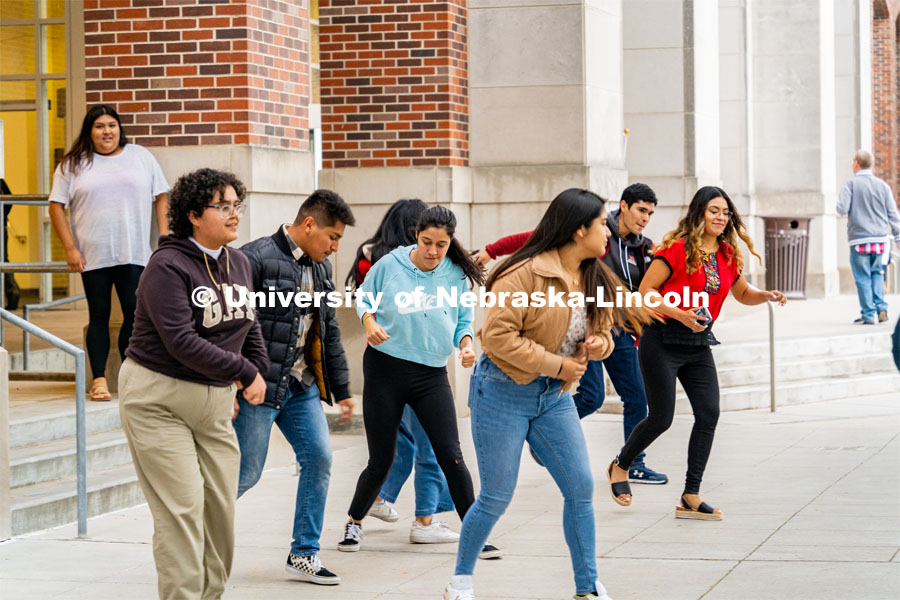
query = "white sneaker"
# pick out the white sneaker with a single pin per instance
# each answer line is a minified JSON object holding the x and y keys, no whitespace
{"x":353,"y":535}
{"x":383,"y":510}
{"x":436,"y":533}
{"x":451,"y":593}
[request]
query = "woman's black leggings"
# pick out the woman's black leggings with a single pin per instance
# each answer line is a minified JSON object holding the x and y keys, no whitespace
{"x":694,"y":367}
{"x":98,"y":284}
{"x":390,"y":384}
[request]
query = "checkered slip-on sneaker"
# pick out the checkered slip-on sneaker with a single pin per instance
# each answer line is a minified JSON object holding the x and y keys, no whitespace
{"x":310,"y":568}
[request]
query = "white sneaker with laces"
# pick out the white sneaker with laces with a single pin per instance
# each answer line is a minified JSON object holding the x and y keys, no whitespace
{"x":383,"y":510}
{"x":451,"y":593}
{"x":436,"y":533}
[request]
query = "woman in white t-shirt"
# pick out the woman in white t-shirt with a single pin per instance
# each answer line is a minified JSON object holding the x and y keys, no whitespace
{"x":112,"y":189}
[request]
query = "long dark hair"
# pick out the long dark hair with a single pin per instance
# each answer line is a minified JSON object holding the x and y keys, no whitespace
{"x":571,"y":210}
{"x":693,"y":224}
{"x":443,"y":218}
{"x":397,"y":228}
{"x":83,"y":148}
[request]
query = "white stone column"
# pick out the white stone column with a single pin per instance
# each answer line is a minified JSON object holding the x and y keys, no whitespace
{"x":671,"y":58}
{"x":795,"y":122}
{"x":736,"y":123}
{"x":545,"y":90}
{"x":853,"y":106}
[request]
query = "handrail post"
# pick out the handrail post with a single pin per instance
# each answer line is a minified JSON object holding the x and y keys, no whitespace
{"x":771,"y":357}
{"x":26,"y":341}
{"x":81,"y":444}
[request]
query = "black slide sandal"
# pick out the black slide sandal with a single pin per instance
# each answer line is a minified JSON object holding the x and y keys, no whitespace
{"x":704,"y":512}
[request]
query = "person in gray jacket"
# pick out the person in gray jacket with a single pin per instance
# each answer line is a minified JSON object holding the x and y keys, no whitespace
{"x":872,"y":215}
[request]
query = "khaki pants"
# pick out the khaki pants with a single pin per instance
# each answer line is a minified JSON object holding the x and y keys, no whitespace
{"x":187,"y":460}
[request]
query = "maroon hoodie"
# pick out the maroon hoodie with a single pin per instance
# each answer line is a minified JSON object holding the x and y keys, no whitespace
{"x":212,"y":345}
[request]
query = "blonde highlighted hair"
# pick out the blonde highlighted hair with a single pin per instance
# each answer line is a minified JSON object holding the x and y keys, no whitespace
{"x":692,"y":226}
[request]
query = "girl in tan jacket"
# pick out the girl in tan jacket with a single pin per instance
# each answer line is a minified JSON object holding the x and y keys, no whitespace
{"x":532,"y":356}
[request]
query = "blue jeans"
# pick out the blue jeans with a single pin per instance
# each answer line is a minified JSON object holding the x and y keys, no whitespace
{"x":413,"y":448}
{"x":303,"y":423}
{"x":625,"y":373}
{"x":504,"y":416}
{"x":868,"y":273}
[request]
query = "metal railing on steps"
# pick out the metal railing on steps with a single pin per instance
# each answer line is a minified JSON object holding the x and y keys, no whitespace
{"x":80,"y":417}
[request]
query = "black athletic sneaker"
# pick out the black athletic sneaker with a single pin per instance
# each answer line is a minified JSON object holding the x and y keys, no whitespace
{"x":353,"y":535}
{"x":490,"y":551}
{"x":310,"y":568}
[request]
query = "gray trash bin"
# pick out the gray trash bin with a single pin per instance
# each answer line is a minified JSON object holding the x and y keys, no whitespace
{"x":787,"y":252}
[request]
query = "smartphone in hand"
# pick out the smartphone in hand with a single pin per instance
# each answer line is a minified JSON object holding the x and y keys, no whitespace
{"x":704,"y":312}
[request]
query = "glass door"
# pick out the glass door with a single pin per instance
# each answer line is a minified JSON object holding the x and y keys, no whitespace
{"x":33,"y":73}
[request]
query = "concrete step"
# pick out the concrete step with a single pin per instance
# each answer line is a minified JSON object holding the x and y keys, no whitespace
{"x":54,"y":420}
{"x":798,"y":370}
{"x":44,"y":505}
{"x":41,"y":376}
{"x":802,"y":392}
{"x":877,"y":342}
{"x":47,"y":359}
{"x":56,"y":459}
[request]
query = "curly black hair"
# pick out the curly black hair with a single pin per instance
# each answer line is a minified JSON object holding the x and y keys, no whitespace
{"x":193,"y":192}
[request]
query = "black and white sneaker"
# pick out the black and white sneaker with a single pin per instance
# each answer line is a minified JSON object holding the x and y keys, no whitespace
{"x":489,"y":552}
{"x":353,"y":535}
{"x":310,"y":568}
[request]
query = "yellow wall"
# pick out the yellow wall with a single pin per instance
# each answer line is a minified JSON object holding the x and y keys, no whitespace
{"x":20,"y":172}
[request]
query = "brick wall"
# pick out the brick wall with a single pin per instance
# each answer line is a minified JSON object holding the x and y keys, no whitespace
{"x":394,"y":85}
{"x":201,"y":72}
{"x":885,"y":92}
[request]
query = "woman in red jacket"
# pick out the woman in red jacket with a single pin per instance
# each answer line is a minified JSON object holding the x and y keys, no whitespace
{"x":701,"y":255}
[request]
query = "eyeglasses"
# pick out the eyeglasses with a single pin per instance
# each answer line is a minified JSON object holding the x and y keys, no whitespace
{"x":226,"y":211}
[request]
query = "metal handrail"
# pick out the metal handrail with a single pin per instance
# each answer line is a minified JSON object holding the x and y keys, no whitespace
{"x":80,"y":422}
{"x":26,"y":337}
{"x":771,"y":356}
{"x":26,"y":267}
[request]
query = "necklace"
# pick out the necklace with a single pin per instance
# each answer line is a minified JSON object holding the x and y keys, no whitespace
{"x":227,"y":267}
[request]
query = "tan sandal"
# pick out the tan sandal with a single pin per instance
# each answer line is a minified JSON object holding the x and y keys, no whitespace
{"x":100,"y":392}
{"x":703,"y":512}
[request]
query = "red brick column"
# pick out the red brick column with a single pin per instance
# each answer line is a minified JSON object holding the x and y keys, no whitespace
{"x":885,"y":92}
{"x":201,"y":72}
{"x":394,"y":85}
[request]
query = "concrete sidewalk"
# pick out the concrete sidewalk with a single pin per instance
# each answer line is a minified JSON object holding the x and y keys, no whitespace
{"x":811,"y":497}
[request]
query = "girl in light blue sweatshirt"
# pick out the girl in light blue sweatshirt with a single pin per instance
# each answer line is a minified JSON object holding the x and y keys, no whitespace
{"x":410,"y":340}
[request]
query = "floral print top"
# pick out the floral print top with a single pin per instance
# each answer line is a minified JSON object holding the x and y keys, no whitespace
{"x":578,"y":329}
{"x":711,"y":270}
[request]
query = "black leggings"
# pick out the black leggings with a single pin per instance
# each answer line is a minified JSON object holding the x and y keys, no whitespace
{"x":98,"y":284}
{"x":390,"y":384}
{"x":695,"y":369}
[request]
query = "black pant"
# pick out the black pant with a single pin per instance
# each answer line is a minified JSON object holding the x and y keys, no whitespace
{"x":390,"y":384}
{"x":695,"y":369}
{"x":98,"y":284}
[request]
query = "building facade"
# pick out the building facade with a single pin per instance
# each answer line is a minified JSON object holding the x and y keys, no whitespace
{"x":490,"y":107}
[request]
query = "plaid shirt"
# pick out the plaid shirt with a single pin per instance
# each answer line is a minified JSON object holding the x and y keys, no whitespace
{"x":872,"y":248}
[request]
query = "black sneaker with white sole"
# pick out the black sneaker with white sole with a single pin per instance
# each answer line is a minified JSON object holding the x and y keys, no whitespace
{"x":310,"y":568}
{"x":490,"y":551}
{"x":353,"y":535}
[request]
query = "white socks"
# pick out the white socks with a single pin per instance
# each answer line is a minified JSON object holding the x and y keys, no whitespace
{"x":461,"y":582}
